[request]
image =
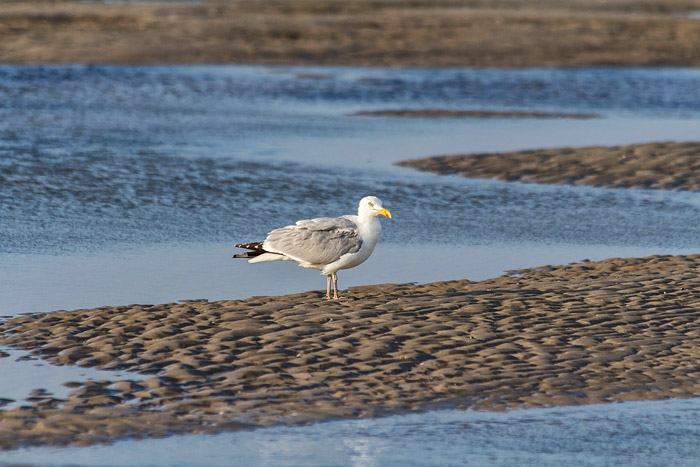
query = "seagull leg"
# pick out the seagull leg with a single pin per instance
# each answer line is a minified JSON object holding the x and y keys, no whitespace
{"x":335,"y":287}
{"x":328,"y":287}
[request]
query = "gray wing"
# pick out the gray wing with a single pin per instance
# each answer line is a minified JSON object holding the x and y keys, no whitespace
{"x":316,"y":241}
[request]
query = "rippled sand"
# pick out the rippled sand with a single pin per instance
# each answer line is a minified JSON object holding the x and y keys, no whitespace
{"x":614,"y":330}
{"x":670,"y":166}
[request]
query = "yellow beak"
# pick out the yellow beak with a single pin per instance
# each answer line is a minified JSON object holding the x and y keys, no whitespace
{"x":385,"y":212}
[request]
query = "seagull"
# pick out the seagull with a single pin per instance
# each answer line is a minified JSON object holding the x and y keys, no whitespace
{"x":326,"y":243}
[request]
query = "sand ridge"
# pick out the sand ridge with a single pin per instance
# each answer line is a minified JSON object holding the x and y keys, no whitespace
{"x":423,"y":33}
{"x":455,"y":113}
{"x":666,"y":165}
{"x":613,"y":330}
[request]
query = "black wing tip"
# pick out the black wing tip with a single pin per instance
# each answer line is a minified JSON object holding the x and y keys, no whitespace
{"x":256,"y":249}
{"x":250,"y":246}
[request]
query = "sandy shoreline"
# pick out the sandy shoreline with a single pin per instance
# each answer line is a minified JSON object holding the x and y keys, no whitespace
{"x":614,"y":330}
{"x":423,"y":33}
{"x":669,"y":166}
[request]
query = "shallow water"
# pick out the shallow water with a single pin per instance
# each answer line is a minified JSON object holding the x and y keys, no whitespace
{"x":631,"y":433}
{"x":64,"y":205}
{"x":168,"y":273}
{"x":103,"y":158}
{"x":30,"y":372}
{"x":124,"y":185}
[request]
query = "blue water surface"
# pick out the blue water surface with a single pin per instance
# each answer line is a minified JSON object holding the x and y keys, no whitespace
{"x":619,"y":434}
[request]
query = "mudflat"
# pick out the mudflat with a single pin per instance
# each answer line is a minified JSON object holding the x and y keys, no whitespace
{"x":433,"y":33}
{"x":590,"y":332}
{"x":669,"y":166}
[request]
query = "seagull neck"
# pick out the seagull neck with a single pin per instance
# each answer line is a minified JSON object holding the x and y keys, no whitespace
{"x":368,"y":223}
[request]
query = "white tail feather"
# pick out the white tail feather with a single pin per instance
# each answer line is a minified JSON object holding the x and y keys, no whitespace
{"x":265,"y":257}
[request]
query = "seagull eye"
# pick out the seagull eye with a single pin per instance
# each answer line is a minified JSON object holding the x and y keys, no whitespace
{"x":371,"y":204}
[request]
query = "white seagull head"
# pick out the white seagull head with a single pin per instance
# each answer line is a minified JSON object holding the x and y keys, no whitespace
{"x":372,"y":206}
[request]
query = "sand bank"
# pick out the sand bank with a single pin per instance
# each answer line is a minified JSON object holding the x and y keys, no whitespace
{"x":613,"y":330}
{"x":669,"y":166}
{"x":451,"y":113}
{"x":484,"y":33}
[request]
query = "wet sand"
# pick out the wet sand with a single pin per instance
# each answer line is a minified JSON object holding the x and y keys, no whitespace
{"x":668,"y":166}
{"x":614,"y":330}
{"x":450,"y":113}
{"x":483,"y":33}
